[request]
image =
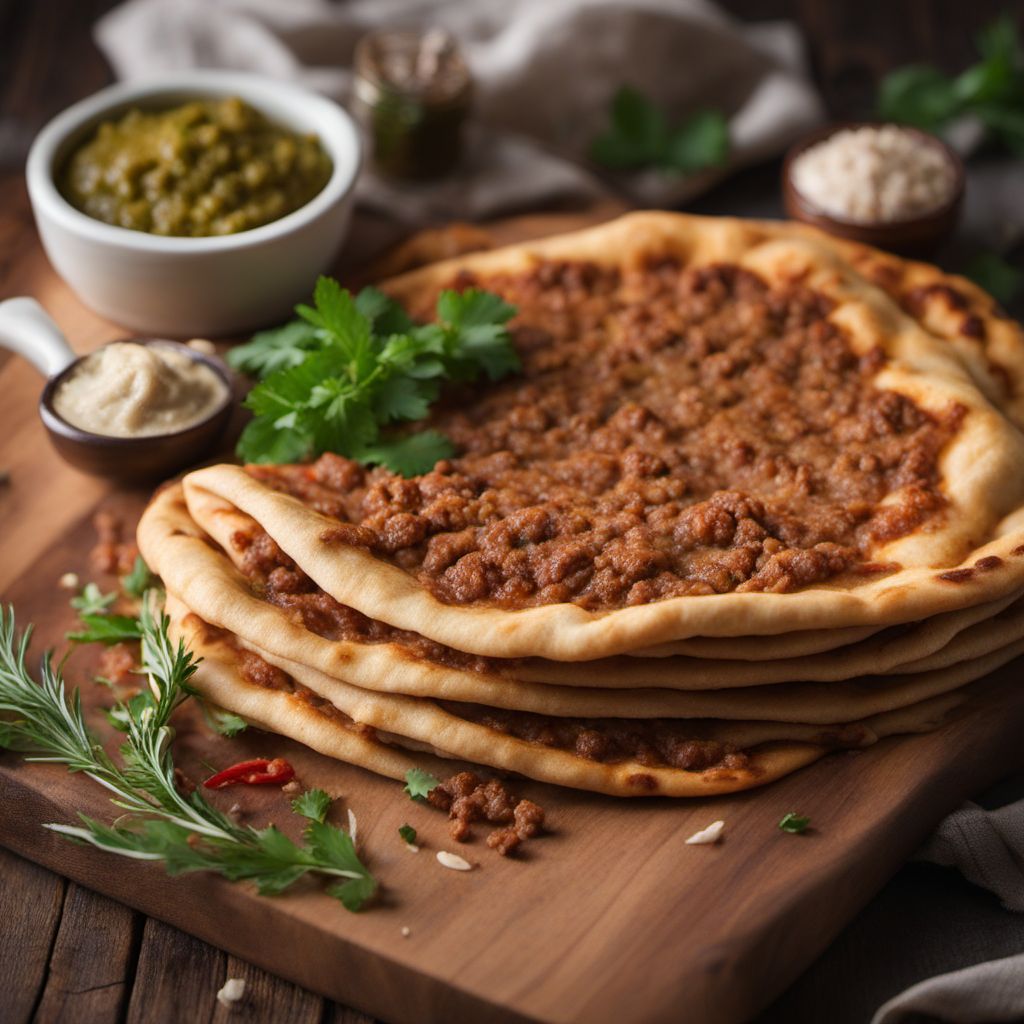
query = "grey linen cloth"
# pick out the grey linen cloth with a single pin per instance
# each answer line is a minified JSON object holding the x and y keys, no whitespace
{"x":545,"y":74}
{"x":987,"y":992}
{"x":987,"y":847}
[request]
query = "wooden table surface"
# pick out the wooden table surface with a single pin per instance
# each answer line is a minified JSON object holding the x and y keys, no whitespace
{"x":67,"y":954}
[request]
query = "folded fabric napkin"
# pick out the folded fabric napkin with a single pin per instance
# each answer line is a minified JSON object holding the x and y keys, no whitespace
{"x":983,"y":994}
{"x":545,"y":74}
{"x":987,"y":847}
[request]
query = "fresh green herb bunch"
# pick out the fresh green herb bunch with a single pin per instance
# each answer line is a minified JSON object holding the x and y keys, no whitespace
{"x":332,"y":380}
{"x":639,"y":135}
{"x":160,"y":822}
{"x":991,"y":90}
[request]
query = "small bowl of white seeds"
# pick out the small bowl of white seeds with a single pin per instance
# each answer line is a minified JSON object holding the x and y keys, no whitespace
{"x":887,"y":185}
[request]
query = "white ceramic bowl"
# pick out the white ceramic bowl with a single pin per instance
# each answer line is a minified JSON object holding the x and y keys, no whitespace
{"x":180,"y":287}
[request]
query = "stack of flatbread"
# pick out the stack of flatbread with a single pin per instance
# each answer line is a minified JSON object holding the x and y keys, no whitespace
{"x":756,"y":495}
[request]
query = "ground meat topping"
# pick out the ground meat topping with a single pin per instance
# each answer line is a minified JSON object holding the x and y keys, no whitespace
{"x":112,"y":554}
{"x":467,"y":798}
{"x":117,"y":663}
{"x":654,"y":743}
{"x":675,"y":431}
{"x":275,"y":577}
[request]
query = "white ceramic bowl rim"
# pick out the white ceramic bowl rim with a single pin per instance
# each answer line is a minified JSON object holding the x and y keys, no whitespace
{"x":334,"y":127}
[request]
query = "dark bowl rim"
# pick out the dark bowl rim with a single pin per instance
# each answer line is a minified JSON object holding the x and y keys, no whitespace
{"x":55,"y":422}
{"x":812,"y":138}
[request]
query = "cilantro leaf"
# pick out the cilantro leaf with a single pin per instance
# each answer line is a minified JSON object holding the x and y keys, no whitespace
{"x":409,"y":456}
{"x":385,"y":315}
{"x":404,"y":398}
{"x":794,"y":823}
{"x":263,"y":441}
{"x":224,"y":723}
{"x":313,"y":804}
{"x":408,"y":834}
{"x":139,"y":580}
{"x":419,"y":783}
{"x":341,"y":325}
{"x":999,"y":278}
{"x":367,"y":367}
{"x":273,"y":350}
{"x":639,"y":135}
{"x":355,"y":893}
{"x":474,"y":321}
{"x":106,"y":629}
{"x":335,"y":852}
{"x":92,"y":600}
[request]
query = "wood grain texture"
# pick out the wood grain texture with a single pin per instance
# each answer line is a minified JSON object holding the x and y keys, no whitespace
{"x":562,"y":935}
{"x":102,"y":933}
{"x":30,"y":906}
{"x":47,"y":60}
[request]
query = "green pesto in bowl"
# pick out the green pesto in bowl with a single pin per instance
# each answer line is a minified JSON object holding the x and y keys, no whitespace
{"x":208,"y":167}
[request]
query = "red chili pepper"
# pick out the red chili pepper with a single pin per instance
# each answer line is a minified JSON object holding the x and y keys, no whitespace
{"x":258,"y":772}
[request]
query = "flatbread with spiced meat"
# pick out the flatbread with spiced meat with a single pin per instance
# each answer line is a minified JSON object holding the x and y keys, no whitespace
{"x":721,"y":430}
{"x":951,"y":307}
{"x":629,"y":759}
{"x":302,"y":624}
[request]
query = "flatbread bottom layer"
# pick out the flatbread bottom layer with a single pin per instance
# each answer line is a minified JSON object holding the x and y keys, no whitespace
{"x":423,"y":729}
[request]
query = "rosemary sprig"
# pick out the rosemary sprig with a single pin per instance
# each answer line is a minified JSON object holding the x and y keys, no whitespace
{"x":161,"y":823}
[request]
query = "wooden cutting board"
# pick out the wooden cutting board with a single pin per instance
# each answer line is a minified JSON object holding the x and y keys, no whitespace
{"x":609,"y":918}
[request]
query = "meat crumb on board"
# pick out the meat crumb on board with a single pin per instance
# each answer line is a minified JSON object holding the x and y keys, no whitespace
{"x":113,"y":554}
{"x":467,"y":798}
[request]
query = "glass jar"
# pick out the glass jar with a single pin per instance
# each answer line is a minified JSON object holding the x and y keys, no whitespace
{"x":413,"y":92}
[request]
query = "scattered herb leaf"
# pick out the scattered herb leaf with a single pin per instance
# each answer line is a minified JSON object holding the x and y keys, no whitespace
{"x":408,"y":834}
{"x":639,"y":135}
{"x":419,"y":783}
{"x":1002,"y":280}
{"x":313,"y":804}
{"x":92,"y":600}
{"x":350,"y":366}
{"x":794,"y":823}
{"x":224,"y":723}
{"x":122,"y":714}
{"x":158,"y":822}
{"x":106,"y":629}
{"x":992,"y":90}
{"x":139,"y":580}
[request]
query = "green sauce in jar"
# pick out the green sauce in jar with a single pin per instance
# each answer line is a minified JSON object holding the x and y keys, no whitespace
{"x":209,"y":167}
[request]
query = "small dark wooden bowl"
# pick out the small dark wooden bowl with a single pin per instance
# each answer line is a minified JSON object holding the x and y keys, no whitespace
{"x":135,"y":459}
{"x":917,"y":236}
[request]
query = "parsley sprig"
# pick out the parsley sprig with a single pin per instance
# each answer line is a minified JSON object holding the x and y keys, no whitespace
{"x":335,"y":379}
{"x":160,"y":822}
{"x":639,"y":135}
{"x":992,"y":90}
